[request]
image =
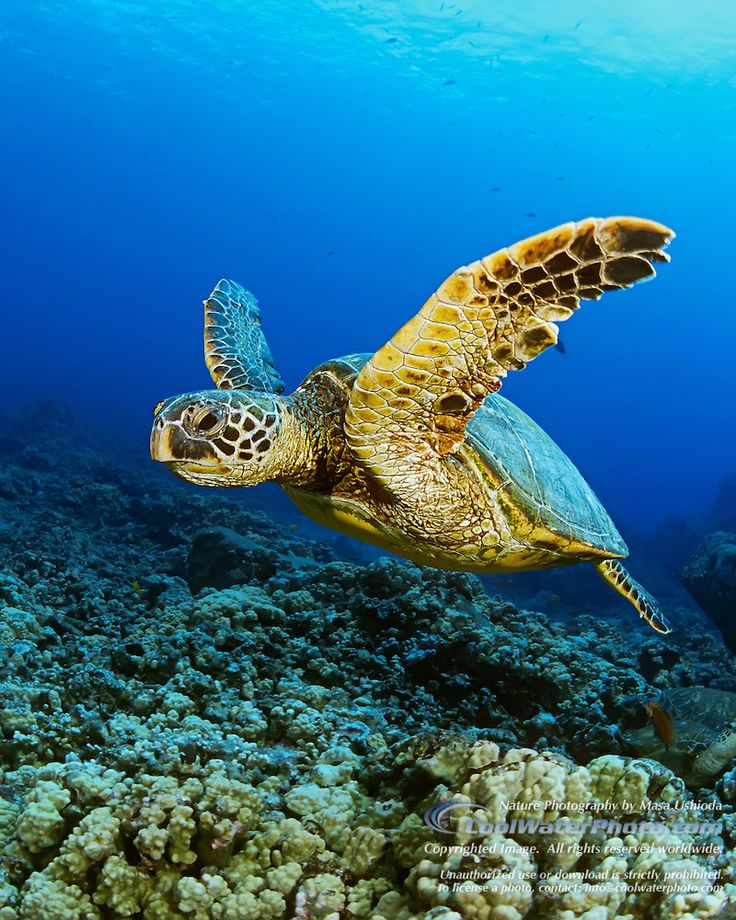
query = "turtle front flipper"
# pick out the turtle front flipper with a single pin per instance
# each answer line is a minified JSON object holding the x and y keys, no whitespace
{"x":235,"y":350}
{"x":619,"y":579}
{"x":412,"y":401}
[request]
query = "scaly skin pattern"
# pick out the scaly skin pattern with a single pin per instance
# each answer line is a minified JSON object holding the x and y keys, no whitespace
{"x":219,"y":438}
{"x":235,"y":350}
{"x":616,"y":575}
{"x":413,"y":399}
{"x":460,"y":525}
{"x":243,"y":437}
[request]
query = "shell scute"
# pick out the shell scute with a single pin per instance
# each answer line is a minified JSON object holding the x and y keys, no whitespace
{"x":541,"y":479}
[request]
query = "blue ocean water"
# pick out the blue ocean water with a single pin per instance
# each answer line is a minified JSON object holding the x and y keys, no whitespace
{"x":210,"y":706}
{"x":340,"y":159}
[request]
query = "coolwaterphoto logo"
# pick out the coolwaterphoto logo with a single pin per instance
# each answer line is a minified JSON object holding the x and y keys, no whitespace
{"x":462,"y":817}
{"x":439,"y":816}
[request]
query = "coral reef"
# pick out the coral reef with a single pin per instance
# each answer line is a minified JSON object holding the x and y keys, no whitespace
{"x":206,"y":715}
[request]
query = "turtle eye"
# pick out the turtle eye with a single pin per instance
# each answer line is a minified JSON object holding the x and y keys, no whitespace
{"x":206,"y":420}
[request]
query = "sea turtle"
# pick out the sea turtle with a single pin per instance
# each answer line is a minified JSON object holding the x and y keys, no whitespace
{"x":704,"y":739}
{"x":409,"y":448}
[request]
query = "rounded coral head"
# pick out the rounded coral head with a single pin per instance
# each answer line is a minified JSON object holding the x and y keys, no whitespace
{"x":218,"y":437}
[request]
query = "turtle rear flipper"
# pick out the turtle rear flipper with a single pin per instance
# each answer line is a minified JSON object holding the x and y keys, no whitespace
{"x":619,"y":579}
{"x":235,"y":350}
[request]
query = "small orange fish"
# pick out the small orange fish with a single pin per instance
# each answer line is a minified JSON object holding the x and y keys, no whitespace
{"x":662,"y":723}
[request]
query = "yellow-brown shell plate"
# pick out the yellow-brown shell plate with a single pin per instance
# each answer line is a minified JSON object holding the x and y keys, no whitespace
{"x":539,"y":479}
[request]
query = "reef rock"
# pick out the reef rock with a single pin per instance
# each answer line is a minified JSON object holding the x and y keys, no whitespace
{"x":710,"y":576}
{"x":220,"y":557}
{"x":207,"y":716}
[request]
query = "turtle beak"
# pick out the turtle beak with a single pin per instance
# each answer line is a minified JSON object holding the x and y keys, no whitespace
{"x":168,"y":441}
{"x":169,"y":444}
{"x":161,"y":442}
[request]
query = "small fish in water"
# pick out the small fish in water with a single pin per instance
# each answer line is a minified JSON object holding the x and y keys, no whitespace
{"x":450,"y":82}
{"x":137,"y":587}
{"x":662,"y":722}
{"x":560,"y":346}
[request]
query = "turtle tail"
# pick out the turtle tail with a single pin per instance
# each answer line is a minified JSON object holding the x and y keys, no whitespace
{"x":619,"y":579}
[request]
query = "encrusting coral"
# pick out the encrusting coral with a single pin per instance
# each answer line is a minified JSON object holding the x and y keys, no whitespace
{"x":268,"y":748}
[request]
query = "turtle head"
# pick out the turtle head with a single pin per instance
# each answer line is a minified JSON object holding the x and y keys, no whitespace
{"x":222,"y":437}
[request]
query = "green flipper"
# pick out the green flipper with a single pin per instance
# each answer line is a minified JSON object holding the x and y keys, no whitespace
{"x":235,"y":349}
{"x":618,"y":578}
